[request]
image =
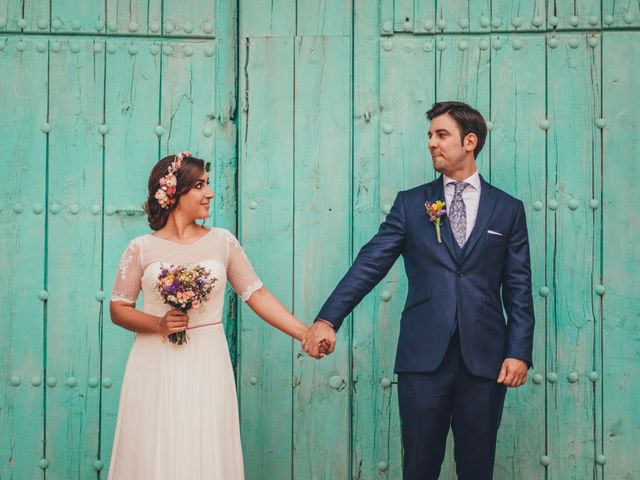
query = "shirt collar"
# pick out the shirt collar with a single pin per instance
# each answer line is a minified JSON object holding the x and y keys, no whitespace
{"x":473,"y":180}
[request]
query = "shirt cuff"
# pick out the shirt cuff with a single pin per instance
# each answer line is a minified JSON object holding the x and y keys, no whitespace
{"x":326,"y":321}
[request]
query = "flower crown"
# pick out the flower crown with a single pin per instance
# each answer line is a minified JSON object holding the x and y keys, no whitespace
{"x":169,"y":182}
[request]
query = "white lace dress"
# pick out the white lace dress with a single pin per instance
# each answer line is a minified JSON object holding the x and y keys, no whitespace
{"x":178,"y":413}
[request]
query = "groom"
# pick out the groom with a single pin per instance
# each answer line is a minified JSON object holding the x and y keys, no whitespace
{"x":456,"y":354}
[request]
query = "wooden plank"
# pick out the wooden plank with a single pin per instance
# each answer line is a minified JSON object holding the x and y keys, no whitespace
{"x":574,"y":13}
{"x":517,"y":146}
{"x":386,"y":17}
{"x":188,"y":98}
{"x":463,"y":15}
{"x":619,"y":197}
{"x":406,"y":91}
{"x":36,"y":15}
{"x":10,"y":13}
{"x":518,"y":15}
{"x":322,"y":203}
{"x":403,"y":16}
{"x":22,"y":241}
{"x":620,"y":14}
{"x":224,"y":167}
{"x":196,"y":17}
{"x":266,"y":165}
{"x":372,"y":406}
{"x":76,"y":16}
{"x":463,"y":73}
{"x":132,"y":88}
{"x":276,"y":18}
{"x":223,"y":174}
{"x":18,"y":15}
{"x":74,"y":262}
{"x":425,"y":16}
{"x":574,"y":86}
{"x":324,"y":17}
{"x":137,"y":17}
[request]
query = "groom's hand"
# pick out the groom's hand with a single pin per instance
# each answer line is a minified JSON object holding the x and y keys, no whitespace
{"x":319,"y":340}
{"x":513,"y":372}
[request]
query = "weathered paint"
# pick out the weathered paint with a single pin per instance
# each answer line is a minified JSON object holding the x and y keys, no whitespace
{"x":326,"y":126}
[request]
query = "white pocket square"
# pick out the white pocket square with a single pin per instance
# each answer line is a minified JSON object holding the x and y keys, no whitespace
{"x":491,"y":232}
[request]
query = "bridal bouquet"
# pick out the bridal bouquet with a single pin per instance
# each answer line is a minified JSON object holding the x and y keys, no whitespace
{"x":184,"y":287}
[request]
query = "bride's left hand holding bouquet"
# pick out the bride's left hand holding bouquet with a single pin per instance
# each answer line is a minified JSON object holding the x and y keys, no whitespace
{"x":184,"y":287}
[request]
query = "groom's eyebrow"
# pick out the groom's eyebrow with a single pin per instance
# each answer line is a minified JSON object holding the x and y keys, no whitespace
{"x":440,"y":131}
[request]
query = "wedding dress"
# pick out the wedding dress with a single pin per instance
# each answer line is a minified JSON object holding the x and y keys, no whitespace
{"x":178,"y":412}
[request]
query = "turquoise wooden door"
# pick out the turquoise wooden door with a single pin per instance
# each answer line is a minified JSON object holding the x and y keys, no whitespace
{"x":312,"y":114}
{"x":92,"y":94}
{"x":333,"y":124}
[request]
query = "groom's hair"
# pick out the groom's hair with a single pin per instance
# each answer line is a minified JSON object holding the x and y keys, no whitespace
{"x":469,"y":120}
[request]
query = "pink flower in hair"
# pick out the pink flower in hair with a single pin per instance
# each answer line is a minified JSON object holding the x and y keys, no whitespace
{"x":169,"y":182}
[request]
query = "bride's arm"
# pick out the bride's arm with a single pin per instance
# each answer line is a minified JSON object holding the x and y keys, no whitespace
{"x":274,"y":313}
{"x":126,"y":316}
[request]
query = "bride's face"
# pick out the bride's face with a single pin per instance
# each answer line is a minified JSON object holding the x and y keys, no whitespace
{"x":197,"y":201}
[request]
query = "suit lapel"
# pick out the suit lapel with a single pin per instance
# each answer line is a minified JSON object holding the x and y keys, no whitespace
{"x":488,"y":197}
{"x":433,"y":192}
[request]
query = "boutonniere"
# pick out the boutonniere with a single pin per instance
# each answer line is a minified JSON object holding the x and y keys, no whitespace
{"x":436,"y":211}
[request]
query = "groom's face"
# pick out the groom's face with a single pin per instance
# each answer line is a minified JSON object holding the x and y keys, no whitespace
{"x":448,"y":153}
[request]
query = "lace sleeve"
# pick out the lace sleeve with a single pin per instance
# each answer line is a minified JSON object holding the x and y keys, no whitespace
{"x":128,"y":279}
{"x":242,"y":277}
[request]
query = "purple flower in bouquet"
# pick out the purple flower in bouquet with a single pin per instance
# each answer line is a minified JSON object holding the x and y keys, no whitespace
{"x":184,"y":287}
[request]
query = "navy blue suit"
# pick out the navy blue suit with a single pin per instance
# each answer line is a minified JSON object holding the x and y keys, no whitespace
{"x":453,"y":310}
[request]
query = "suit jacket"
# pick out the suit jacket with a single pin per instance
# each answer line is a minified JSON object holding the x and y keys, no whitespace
{"x":446,"y":287}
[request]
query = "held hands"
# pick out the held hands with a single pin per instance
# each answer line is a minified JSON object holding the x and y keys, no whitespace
{"x":513,"y":372}
{"x":319,"y":340}
{"x":173,"y":321}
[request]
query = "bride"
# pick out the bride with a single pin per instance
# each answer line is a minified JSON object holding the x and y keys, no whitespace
{"x":178,"y":413}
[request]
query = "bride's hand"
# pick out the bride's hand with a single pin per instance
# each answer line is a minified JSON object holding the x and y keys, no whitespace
{"x":172,"y":322}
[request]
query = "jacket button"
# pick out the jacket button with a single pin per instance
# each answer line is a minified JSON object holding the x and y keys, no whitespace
{"x":460,"y":274}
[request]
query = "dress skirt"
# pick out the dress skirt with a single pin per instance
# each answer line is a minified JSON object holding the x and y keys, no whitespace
{"x":178,"y":416}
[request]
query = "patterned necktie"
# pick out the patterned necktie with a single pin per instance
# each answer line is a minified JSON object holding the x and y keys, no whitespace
{"x":457,"y":213}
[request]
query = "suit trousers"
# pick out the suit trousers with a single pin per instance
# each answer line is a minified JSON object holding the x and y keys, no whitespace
{"x":450,"y":396}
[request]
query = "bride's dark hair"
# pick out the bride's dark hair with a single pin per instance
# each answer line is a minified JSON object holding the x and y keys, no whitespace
{"x":186,"y":176}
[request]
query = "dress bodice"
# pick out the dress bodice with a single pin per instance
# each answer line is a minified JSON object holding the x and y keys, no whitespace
{"x":218,"y":251}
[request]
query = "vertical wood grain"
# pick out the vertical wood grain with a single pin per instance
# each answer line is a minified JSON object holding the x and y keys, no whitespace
{"x":266,"y":225}
{"x":517,"y":147}
{"x":22,"y":263}
{"x":621,"y":327}
{"x":132,"y":88}
{"x":571,"y":177}
{"x":74,"y":261}
{"x":322,"y":202}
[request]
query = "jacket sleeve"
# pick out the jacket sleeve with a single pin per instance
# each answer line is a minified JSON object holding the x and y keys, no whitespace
{"x":516,"y":292}
{"x":370,"y":266}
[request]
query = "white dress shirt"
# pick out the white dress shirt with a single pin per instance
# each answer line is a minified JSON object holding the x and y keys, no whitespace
{"x":470,"y":196}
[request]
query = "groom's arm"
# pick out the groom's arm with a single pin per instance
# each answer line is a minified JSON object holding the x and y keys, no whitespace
{"x":370,"y":266}
{"x":516,"y":292}
{"x":373,"y":262}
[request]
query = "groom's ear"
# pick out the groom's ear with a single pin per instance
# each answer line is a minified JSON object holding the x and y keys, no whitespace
{"x":470,"y":142}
